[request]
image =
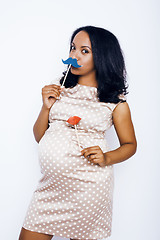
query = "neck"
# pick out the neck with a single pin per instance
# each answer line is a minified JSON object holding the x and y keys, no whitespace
{"x":88,"y":80}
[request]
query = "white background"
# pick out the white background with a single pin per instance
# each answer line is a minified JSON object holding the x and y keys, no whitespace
{"x":34,"y":37}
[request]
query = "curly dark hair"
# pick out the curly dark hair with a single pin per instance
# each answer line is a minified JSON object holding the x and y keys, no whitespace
{"x":109,"y":64}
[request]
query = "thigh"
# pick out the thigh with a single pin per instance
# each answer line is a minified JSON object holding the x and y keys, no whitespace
{"x":29,"y":235}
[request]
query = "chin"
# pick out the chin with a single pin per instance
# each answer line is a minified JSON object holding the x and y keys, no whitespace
{"x":75,"y":71}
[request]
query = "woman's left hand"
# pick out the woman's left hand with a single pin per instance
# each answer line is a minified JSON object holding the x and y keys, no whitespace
{"x":95,"y":155}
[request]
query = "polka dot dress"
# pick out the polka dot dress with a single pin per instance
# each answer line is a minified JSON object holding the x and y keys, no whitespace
{"x":74,"y":197}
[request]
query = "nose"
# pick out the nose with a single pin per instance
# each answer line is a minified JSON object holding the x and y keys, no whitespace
{"x":75,"y":55}
{"x":77,"y":58}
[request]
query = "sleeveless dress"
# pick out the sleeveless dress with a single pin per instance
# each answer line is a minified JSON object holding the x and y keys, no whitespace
{"x":74,"y":197}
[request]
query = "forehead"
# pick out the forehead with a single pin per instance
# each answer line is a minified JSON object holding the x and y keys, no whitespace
{"x":82,"y":38}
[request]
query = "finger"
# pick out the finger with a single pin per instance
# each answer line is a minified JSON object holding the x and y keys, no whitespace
{"x":85,"y":150}
{"x":93,"y":160}
{"x":90,"y":152}
{"x":58,"y":90}
{"x":51,"y":88}
{"x":90,"y":149}
{"x":50,"y":91}
{"x":47,"y":95}
{"x":56,"y":86}
{"x":96,"y":161}
{"x":62,"y":89}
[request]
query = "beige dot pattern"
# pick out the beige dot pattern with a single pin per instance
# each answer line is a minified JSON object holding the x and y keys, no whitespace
{"x":74,"y":197}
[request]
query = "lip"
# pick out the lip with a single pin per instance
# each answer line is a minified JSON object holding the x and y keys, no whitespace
{"x":73,"y":67}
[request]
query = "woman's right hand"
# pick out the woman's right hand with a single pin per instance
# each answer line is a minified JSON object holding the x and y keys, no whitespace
{"x":50,"y":93}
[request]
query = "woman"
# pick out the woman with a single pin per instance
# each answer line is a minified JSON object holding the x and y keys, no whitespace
{"x":74,"y":198}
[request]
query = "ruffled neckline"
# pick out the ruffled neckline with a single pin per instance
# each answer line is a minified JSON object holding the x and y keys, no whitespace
{"x":86,"y":86}
{"x":80,"y":91}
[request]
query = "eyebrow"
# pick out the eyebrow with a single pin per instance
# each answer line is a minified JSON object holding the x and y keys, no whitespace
{"x":82,"y":46}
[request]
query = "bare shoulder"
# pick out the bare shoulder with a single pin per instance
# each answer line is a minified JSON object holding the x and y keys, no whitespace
{"x":121,"y":112}
{"x":123,"y":123}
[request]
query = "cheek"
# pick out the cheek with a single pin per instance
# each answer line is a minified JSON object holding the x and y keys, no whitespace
{"x":70,"y":54}
{"x":88,"y":63}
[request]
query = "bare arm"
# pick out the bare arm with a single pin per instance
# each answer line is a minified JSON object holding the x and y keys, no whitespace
{"x":49,"y":95}
{"x":126,"y":135}
{"x":41,"y":124}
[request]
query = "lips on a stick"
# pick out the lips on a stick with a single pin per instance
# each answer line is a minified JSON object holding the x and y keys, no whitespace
{"x":73,"y":121}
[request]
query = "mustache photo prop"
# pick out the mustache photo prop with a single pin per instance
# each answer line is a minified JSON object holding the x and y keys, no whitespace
{"x":70,"y":61}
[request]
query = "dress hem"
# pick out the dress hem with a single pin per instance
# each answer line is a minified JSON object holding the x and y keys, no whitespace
{"x":65,"y":236}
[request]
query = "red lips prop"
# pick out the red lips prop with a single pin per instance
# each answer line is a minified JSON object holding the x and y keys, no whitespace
{"x":74,"y":121}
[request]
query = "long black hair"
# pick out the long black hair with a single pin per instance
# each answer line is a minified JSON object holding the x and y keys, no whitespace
{"x":109,"y":64}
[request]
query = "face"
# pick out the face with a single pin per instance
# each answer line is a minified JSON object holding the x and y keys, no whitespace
{"x":81,"y":50}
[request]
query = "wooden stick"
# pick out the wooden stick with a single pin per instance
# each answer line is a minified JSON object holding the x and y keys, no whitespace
{"x":58,"y":98}
{"x":77,"y":137}
{"x":66,"y":75}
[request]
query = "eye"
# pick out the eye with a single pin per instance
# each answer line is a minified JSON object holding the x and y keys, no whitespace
{"x":71,"y":47}
{"x":85,"y":51}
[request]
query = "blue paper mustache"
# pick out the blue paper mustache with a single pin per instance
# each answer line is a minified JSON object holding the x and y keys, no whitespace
{"x":72,"y":61}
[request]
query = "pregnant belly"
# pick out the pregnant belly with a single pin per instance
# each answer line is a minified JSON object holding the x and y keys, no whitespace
{"x":59,"y":152}
{"x":53,"y":151}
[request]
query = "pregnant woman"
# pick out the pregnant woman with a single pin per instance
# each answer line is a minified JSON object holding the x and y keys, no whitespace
{"x":74,"y":197}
